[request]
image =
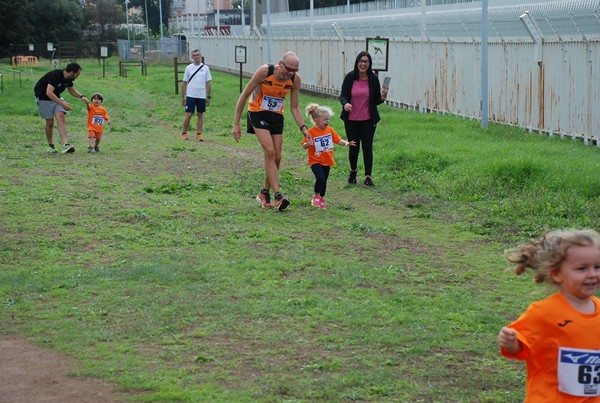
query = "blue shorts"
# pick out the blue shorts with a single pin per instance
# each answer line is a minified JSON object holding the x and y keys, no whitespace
{"x":193,"y":104}
{"x":267,"y":120}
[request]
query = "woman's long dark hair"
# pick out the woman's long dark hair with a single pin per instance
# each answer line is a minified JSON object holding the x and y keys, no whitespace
{"x":361,"y":54}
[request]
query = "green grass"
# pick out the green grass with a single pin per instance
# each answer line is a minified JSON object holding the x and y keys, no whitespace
{"x":151,"y":264}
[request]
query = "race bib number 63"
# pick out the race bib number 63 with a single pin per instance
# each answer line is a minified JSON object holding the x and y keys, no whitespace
{"x":579,"y":371}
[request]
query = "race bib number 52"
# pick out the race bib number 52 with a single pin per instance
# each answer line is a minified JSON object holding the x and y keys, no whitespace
{"x":579,"y":371}
{"x":98,"y":120}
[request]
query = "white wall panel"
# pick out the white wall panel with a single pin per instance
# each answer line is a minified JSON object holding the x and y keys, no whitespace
{"x":562,"y":96}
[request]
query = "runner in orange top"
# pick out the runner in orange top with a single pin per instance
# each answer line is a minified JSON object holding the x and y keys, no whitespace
{"x":269,"y":87}
{"x":320,"y":152}
{"x":559,"y":337}
{"x":97,"y":116}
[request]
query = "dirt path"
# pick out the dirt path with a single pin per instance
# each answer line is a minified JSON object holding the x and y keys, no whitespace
{"x":33,"y":374}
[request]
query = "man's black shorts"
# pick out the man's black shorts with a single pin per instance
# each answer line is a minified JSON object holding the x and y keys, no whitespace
{"x":271,"y":121}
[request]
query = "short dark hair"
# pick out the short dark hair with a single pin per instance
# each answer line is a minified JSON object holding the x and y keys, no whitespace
{"x":97,"y":95}
{"x":73,"y":67}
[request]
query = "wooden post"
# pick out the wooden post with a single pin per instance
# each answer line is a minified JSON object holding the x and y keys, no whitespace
{"x":176,"y":70}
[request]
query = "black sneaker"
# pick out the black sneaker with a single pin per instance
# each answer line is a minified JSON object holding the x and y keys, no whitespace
{"x":369,"y":182}
{"x":97,"y":149}
{"x":68,"y":149}
{"x":352,"y":178}
{"x":281,"y":202}
{"x":91,"y":149}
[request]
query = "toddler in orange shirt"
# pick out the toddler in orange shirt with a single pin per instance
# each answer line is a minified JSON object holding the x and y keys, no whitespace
{"x":97,"y":117}
{"x":320,"y":153}
{"x":559,"y":337}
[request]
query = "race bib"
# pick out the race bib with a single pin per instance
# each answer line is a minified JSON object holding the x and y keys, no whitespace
{"x":272,"y":104}
{"x":323,"y":143}
{"x":579,"y":371}
{"x":98,"y":120}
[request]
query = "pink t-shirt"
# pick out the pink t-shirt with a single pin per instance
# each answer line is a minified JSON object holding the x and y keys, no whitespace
{"x":360,"y":101}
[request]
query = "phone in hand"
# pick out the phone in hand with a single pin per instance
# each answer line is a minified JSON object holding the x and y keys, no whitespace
{"x":386,"y":82}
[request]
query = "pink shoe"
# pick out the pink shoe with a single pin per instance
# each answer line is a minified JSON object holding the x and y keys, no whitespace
{"x":323,"y":206}
{"x":316,"y":201}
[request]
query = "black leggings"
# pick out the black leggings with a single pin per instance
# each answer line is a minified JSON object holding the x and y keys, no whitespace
{"x":362,"y":132}
{"x":321,"y":174}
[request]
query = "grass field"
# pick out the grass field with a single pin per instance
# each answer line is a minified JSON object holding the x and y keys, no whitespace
{"x":151,"y":264}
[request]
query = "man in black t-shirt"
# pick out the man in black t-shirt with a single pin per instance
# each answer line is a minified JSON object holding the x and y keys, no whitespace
{"x":51,"y":105}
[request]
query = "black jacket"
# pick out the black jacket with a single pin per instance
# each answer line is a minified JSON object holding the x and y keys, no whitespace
{"x":374,"y":96}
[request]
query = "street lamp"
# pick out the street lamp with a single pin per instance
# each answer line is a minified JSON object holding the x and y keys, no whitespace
{"x":241,"y":7}
{"x":127,"y":19}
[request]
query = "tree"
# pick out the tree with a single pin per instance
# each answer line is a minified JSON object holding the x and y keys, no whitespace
{"x":103,"y":15}
{"x":153,"y":12}
{"x":16,"y":27}
{"x":56,"y":20}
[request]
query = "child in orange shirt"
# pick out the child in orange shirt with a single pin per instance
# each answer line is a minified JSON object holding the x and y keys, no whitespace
{"x":320,"y":153}
{"x":559,"y":337}
{"x":97,"y":115}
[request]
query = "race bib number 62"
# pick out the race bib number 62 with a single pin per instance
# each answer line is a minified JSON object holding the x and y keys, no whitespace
{"x":579,"y":371}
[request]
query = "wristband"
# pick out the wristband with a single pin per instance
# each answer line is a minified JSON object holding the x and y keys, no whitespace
{"x":209,"y":97}
{"x":82,"y":96}
{"x":303,"y":126}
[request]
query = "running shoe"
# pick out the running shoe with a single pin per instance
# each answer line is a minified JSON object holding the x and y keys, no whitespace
{"x":264,"y":200}
{"x":97,"y":149}
{"x":91,"y":149}
{"x":322,"y":205}
{"x":68,"y":149}
{"x":316,"y":201}
{"x":369,"y":182}
{"x":352,"y":178}
{"x":281,"y":203}
{"x":184,"y":136}
{"x":199,"y":137}
{"x":51,"y":149}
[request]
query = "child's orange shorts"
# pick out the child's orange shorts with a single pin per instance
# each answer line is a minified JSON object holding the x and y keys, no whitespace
{"x":92,"y":134}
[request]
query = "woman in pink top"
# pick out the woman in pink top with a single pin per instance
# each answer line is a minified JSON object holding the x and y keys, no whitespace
{"x":361,"y":93}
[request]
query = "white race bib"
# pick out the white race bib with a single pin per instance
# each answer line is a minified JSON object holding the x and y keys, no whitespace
{"x":579,"y":371}
{"x":323,"y":143}
{"x":98,"y":120}
{"x":272,"y":104}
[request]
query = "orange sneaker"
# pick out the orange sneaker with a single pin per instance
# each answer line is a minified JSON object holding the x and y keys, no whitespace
{"x":184,"y":136}
{"x":281,"y":203}
{"x":199,"y":137}
{"x":264,"y":200}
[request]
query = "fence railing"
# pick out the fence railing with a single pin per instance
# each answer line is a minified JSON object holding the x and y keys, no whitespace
{"x":555,"y":95}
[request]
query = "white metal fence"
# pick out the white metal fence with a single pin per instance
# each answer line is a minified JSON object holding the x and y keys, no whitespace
{"x":552,"y":86}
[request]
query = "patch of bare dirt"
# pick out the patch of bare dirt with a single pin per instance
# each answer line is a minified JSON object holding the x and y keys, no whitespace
{"x":29,"y":373}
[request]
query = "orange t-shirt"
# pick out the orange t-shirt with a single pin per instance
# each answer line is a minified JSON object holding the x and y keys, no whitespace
{"x":270,"y":94}
{"x":97,"y":115}
{"x":322,"y":150}
{"x":561,"y":348}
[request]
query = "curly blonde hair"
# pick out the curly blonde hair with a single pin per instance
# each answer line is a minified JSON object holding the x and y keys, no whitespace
{"x":315,"y":110}
{"x":544,"y":255}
